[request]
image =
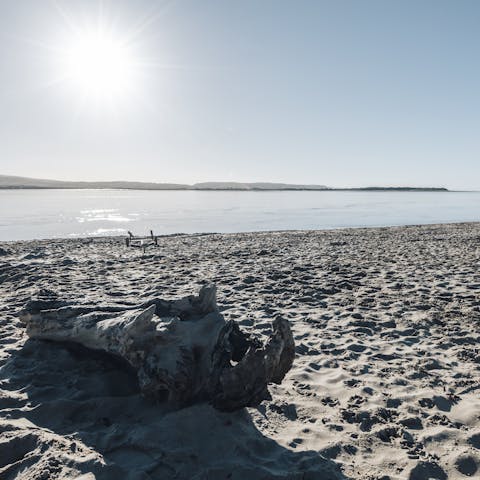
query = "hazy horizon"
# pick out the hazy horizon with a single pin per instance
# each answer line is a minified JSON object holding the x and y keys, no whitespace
{"x":337,"y":93}
{"x":206,"y":184}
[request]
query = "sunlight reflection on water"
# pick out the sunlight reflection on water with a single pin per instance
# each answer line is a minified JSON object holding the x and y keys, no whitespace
{"x":28,"y":214}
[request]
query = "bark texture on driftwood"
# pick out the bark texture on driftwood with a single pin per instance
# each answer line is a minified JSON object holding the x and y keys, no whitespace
{"x":183,"y":349}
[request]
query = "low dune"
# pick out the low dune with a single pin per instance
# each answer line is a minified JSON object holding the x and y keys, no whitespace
{"x":385,"y":383}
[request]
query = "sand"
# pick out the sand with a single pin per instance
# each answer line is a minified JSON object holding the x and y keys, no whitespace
{"x":385,"y":384}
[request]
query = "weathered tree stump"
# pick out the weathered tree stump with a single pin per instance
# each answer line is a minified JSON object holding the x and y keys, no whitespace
{"x":181,"y":349}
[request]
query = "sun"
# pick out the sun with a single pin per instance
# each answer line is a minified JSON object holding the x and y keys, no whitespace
{"x":99,"y":64}
{"x":102,"y":61}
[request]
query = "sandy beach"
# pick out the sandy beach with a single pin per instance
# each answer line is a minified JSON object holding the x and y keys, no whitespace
{"x":385,"y":382}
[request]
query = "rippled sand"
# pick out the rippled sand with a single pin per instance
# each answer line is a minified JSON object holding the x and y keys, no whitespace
{"x":385,"y":385}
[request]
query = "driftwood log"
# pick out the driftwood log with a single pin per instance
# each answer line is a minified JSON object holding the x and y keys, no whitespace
{"x":182,"y":350}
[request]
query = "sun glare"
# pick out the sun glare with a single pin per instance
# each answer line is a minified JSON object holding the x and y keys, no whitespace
{"x":101,"y":61}
{"x":99,"y":65}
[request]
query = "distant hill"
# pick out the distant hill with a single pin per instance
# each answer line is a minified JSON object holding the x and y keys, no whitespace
{"x":7,"y":182}
{"x":395,"y":189}
{"x":13,"y":182}
{"x":254,"y":186}
{"x":25,"y":182}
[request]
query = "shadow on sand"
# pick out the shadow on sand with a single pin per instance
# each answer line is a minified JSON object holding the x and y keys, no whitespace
{"x":85,"y":404}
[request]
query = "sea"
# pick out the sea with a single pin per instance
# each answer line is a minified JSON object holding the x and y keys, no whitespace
{"x":39,"y":214}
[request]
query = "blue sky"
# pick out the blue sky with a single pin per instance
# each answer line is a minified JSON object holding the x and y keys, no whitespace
{"x":341,"y":93}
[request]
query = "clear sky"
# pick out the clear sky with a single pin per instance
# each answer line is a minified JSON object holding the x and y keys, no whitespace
{"x":341,"y":93}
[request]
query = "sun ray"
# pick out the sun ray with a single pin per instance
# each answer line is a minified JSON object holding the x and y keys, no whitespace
{"x":148,"y":19}
{"x":96,"y":57}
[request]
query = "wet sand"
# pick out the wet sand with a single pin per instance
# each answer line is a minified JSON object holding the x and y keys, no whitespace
{"x":385,"y":384}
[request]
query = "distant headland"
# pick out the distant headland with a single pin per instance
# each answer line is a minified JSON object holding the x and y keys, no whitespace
{"x":14,"y":182}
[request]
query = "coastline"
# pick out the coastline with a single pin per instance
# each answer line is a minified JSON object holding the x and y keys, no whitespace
{"x":9,"y":182}
{"x":194,"y":189}
{"x":121,"y":237}
{"x":385,"y":380}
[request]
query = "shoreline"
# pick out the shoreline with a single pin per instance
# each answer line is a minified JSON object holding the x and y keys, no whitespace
{"x":247,"y":232}
{"x":18,"y":182}
{"x":359,"y":189}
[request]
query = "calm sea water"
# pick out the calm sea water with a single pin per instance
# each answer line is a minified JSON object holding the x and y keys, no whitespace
{"x":29,"y":214}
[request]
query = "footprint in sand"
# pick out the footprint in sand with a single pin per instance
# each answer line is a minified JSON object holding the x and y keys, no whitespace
{"x":468,"y":465}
